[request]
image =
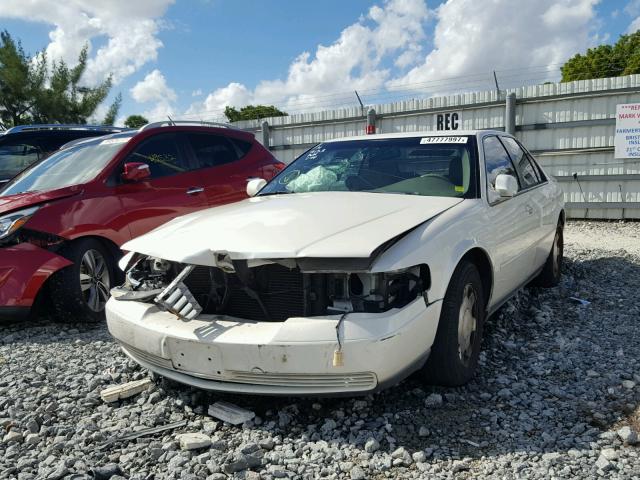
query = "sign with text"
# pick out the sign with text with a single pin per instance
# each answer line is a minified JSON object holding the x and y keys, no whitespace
{"x":627,"y":139}
{"x":448,"y":121}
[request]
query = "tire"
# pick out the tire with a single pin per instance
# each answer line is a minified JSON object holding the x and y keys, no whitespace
{"x":552,"y":270}
{"x":454,"y":355}
{"x":79,"y":292}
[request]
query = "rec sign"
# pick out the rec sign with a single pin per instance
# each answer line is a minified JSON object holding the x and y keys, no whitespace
{"x":448,"y":121}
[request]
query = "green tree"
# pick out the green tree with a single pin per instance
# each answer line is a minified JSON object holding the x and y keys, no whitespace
{"x":622,"y":58}
{"x":31,"y":91}
{"x":135,"y":121}
{"x":112,"y":113}
{"x":252,"y":112}
{"x":19,"y":80}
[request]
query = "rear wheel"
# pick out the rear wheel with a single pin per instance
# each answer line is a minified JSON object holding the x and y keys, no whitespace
{"x":455,"y":352}
{"x":80,"y":291}
{"x":552,"y":270}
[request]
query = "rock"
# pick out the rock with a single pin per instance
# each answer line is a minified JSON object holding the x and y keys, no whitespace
{"x":329,"y":425}
{"x":372,"y":445}
{"x":12,"y":436}
{"x":419,"y":456}
{"x":106,"y":472}
{"x":628,"y":384}
{"x":627,"y":435}
{"x":266,"y":444}
{"x":423,"y":432}
{"x":609,"y":453}
{"x":433,"y":400}
{"x":603,"y":464}
{"x":551,"y":457}
{"x":32,"y":439}
{"x":236,"y":466}
{"x":59,"y":473}
{"x":357,"y":473}
{"x":193,"y":441}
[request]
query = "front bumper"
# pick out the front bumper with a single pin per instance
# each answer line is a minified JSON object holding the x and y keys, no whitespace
{"x":23,"y":270}
{"x":294,"y":357}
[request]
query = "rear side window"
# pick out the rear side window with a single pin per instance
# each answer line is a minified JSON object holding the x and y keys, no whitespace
{"x":15,"y":158}
{"x":497,"y":161}
{"x":242,"y":146}
{"x":527,"y":173}
{"x":162,"y":155}
{"x":211,"y":150}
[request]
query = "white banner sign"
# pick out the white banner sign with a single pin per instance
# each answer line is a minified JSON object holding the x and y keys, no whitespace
{"x":627,"y":140}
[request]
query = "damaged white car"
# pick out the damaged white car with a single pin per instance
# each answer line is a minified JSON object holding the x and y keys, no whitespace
{"x":365,"y":260}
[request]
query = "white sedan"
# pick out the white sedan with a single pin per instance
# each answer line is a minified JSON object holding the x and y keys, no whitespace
{"x":365,"y":260}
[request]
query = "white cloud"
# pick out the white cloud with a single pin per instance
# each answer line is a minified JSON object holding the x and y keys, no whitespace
{"x":129,"y":27}
{"x":153,"y":87}
{"x":354,"y":61}
{"x":472,"y":36}
{"x":197,"y":92}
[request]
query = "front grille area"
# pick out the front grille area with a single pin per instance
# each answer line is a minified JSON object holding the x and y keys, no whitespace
{"x":280,"y":289}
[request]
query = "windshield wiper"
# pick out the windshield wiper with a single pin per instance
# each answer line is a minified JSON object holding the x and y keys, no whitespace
{"x":274,"y":193}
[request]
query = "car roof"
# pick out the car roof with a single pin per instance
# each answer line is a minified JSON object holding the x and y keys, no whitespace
{"x":55,"y":127}
{"x":439,"y":133}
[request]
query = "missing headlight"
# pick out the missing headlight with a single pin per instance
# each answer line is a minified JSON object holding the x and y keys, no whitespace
{"x":376,"y":292}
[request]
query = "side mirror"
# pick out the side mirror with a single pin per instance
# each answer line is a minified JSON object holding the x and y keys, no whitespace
{"x":135,"y":172}
{"x":255,"y":185}
{"x":506,"y":185}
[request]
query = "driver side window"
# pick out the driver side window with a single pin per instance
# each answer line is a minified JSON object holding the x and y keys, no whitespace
{"x":496,"y":162}
{"x":162,"y":154}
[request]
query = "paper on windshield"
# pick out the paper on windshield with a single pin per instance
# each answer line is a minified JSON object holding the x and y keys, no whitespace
{"x":425,"y":140}
{"x":112,"y":141}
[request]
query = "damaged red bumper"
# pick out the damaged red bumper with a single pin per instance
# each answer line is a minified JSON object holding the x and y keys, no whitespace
{"x":23,"y":270}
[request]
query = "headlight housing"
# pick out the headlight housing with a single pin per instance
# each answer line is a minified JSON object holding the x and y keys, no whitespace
{"x":376,"y":292}
{"x":13,"y":221}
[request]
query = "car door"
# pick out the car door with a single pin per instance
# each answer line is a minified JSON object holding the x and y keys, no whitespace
{"x":222,"y":164}
{"x":173,"y":189}
{"x":543,"y":205}
{"x":510,"y":222}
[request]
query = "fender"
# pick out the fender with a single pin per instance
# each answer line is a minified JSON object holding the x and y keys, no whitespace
{"x":440,"y":243}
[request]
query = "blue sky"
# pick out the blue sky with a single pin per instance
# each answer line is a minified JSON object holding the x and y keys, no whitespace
{"x":192,"y":57}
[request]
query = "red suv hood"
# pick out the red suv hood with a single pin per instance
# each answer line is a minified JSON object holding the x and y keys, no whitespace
{"x":29,"y":199}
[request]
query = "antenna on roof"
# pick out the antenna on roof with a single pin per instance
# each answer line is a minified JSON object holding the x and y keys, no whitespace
{"x":360,"y":101}
{"x":495,"y":78}
{"x":171,"y":121}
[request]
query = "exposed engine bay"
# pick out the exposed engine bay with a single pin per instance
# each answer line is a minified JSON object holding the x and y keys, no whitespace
{"x":271,"y":291}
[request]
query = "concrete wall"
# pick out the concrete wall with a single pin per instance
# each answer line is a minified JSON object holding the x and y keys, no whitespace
{"x":568,"y":126}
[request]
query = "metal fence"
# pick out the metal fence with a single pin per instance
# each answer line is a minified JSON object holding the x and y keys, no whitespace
{"x":568,"y":126}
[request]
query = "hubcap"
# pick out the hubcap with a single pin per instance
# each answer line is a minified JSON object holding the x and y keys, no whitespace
{"x":94,"y":280}
{"x":467,"y":323}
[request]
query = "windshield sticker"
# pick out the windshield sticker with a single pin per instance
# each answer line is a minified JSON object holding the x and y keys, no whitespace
{"x":112,"y":141}
{"x":425,"y":140}
{"x":315,"y":151}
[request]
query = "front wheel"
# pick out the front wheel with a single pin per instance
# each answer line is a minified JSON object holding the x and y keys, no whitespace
{"x":552,"y":270}
{"x":455,"y":352}
{"x":80,"y":291}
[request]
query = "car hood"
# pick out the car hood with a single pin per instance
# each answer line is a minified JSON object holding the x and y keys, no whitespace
{"x":18,"y":201}
{"x":302,"y":225}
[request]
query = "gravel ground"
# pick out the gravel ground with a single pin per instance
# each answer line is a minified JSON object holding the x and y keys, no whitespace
{"x":557,"y":395}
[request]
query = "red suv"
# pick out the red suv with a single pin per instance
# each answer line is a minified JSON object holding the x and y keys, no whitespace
{"x":63,"y":220}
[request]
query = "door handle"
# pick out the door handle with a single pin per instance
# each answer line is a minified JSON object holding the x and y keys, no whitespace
{"x":195,"y":190}
{"x":529,"y":209}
